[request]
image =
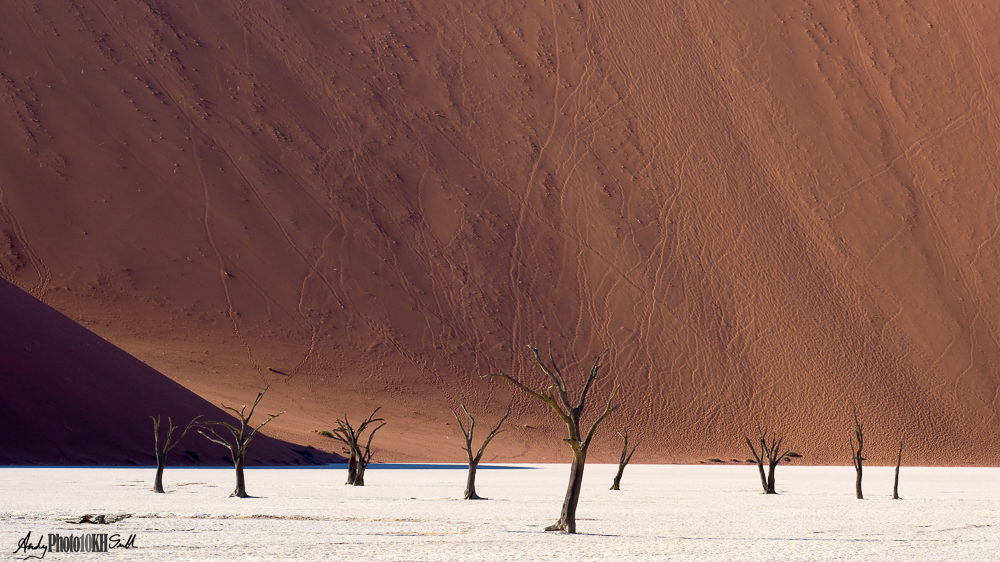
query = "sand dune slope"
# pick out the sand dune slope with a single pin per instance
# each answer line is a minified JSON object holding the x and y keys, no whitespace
{"x":71,"y":397}
{"x":771,"y":212}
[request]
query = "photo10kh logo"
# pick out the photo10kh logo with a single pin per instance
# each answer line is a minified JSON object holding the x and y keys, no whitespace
{"x":30,"y":548}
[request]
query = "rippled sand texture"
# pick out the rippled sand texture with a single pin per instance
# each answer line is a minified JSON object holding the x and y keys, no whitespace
{"x":769,"y":211}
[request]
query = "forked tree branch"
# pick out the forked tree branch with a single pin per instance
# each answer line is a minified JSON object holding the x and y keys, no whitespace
{"x":169,"y":444}
{"x":545,"y":396}
{"x":626,"y":459}
{"x":496,"y":430}
{"x":608,"y":408}
{"x":590,"y":380}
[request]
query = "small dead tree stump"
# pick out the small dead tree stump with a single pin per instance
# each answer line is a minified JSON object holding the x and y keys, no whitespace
{"x":359,"y":457}
{"x":164,"y":445}
{"x":624,"y":460}
{"x":238,"y":439}
{"x":769,"y":452}
{"x":470,"y":485}
{"x":556,"y":396}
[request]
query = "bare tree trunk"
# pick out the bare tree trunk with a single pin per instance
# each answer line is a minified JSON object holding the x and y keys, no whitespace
{"x":763,"y":477}
{"x":359,"y":478}
{"x":241,"y":485}
{"x":364,"y":458}
{"x":556,"y":396}
{"x":163,"y":446}
{"x":358,"y":460}
{"x":352,"y":468}
{"x":239,"y":438}
{"x":624,"y":460}
{"x":768,"y":452}
{"x":618,"y":478}
{"x":567,"y":519}
{"x":470,"y":484}
{"x":895,"y":483}
{"x":857,"y":484}
{"x":857,"y":442}
{"x":158,"y":483}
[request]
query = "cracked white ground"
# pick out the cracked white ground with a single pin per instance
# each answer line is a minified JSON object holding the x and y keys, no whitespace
{"x":704,"y":512}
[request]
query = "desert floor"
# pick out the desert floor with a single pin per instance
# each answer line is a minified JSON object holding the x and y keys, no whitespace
{"x":410,"y":512}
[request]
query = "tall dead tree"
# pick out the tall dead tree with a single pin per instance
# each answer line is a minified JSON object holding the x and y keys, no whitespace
{"x":470,"y":484}
{"x":556,"y":396}
{"x":164,"y":445}
{"x":358,"y":458}
{"x":857,"y":441}
{"x":624,"y":460}
{"x":769,"y":452}
{"x":895,"y":482}
{"x":238,"y":439}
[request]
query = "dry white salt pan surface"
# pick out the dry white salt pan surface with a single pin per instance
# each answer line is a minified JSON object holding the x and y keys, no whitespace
{"x":410,"y":512}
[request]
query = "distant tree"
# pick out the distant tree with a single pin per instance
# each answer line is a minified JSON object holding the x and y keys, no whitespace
{"x":857,"y":441}
{"x":556,"y":396}
{"x":164,"y":445}
{"x":470,"y":485}
{"x":624,"y":460}
{"x":895,"y":483}
{"x":769,"y":452}
{"x":359,"y":457}
{"x":238,"y":439}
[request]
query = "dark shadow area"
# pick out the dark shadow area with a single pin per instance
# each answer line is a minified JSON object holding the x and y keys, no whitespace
{"x":72,"y":398}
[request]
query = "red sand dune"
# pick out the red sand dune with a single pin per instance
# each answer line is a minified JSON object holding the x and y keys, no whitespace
{"x":770,"y":212}
{"x":70,"y":397}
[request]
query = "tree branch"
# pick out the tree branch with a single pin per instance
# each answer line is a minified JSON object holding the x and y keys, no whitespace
{"x":608,"y":408}
{"x":546,"y":398}
{"x":496,"y":431}
{"x":558,"y":377}
{"x":466,"y":434}
{"x":262,"y":424}
{"x":217,"y":439}
{"x":590,"y":380}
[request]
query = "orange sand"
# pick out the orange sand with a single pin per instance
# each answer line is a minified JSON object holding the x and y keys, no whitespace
{"x":770,"y":212}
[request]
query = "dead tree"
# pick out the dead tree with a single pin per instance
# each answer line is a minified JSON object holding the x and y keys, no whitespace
{"x":895,"y":483}
{"x":470,"y":485}
{"x":238,"y":439}
{"x":768,"y":452}
{"x":358,"y":459}
{"x":365,"y":457}
{"x":556,"y":395}
{"x":857,"y":441}
{"x":163,"y":446}
{"x":624,"y":459}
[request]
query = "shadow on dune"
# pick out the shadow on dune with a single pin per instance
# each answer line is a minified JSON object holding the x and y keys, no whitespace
{"x":72,"y":398}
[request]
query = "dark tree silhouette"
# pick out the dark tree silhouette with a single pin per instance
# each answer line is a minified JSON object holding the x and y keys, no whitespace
{"x":768,"y":452}
{"x":556,"y":396}
{"x":624,"y":460}
{"x":358,"y":459}
{"x":470,"y":485}
{"x":238,"y":439}
{"x":895,"y":482}
{"x":164,"y":445}
{"x":857,"y":442}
